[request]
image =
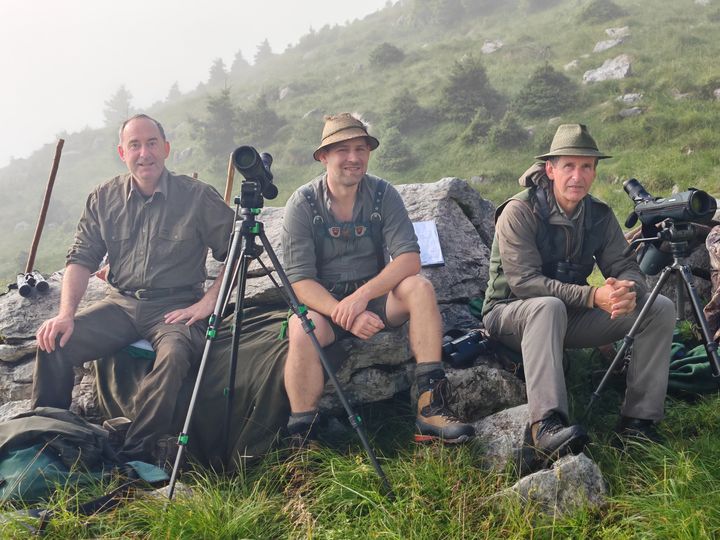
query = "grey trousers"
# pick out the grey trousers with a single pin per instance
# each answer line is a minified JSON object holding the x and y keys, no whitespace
{"x":540,"y":328}
{"x":105,"y":328}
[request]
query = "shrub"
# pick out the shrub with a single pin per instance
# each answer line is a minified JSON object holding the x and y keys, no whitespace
{"x":598,"y":11}
{"x":405,"y":113}
{"x":467,"y":90}
{"x":394,"y":154}
{"x":386,"y":54}
{"x":547,"y":93}
{"x":479,"y":127}
{"x":508,"y":133}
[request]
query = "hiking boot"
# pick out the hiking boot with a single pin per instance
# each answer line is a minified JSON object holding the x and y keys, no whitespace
{"x":301,"y":436}
{"x":553,"y":438}
{"x":117,"y":429}
{"x":638,"y":429}
{"x":434,"y":418}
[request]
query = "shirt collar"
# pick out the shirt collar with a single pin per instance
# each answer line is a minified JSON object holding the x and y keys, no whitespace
{"x":162,"y":186}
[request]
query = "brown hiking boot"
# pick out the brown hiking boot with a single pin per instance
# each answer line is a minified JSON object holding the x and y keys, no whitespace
{"x":435,"y":420}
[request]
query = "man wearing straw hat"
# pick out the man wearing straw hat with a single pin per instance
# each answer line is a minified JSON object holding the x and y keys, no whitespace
{"x":336,"y":230}
{"x":547,"y":240}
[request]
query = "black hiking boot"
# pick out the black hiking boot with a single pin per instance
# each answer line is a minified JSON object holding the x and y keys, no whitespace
{"x":435,"y":420}
{"x":302,"y":435}
{"x":552,"y":438}
{"x":636,"y":429}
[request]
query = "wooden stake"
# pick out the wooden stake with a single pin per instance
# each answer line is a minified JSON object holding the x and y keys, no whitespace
{"x":44,"y":209}
{"x":230,"y":179}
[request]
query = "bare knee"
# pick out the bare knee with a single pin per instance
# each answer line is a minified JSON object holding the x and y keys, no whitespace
{"x":415,"y":288}
{"x":298,"y":336}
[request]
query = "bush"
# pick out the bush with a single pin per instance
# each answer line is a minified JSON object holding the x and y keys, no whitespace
{"x":386,"y":54}
{"x":599,"y":11}
{"x":479,"y":127}
{"x":405,"y":113}
{"x":467,"y":90}
{"x":547,"y":93}
{"x":394,"y":154}
{"x":508,"y":133}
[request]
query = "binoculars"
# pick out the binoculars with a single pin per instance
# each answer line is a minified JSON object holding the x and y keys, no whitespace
{"x":462,"y":351}
{"x":26,"y":282}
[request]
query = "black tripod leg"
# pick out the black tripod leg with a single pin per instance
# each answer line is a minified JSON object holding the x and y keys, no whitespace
{"x":629,"y":338}
{"x":237,"y":331}
{"x":213,"y":324}
{"x":710,"y":346}
{"x":307,"y":324}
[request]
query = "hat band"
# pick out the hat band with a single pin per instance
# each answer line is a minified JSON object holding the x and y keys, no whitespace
{"x":343,"y":129}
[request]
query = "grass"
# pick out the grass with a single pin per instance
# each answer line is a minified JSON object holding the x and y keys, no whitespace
{"x":442,"y":492}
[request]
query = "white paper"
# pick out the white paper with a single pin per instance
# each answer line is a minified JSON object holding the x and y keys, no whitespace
{"x":430,"y":250}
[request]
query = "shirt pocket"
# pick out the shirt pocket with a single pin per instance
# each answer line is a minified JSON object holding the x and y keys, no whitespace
{"x":120,"y":246}
{"x":174,"y":244}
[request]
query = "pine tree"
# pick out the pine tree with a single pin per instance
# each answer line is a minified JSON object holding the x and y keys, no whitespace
{"x":118,"y":108}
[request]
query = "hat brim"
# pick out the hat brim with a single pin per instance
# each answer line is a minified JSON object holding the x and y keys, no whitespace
{"x":346,"y":135}
{"x":584,"y":152}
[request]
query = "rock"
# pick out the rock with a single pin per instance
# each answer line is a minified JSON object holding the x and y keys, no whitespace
{"x":491,"y":45}
{"x":616,"y":68}
{"x":716,"y":93}
{"x":702,"y":2}
{"x":378,"y":368}
{"x":501,"y":435}
{"x":618,"y":33}
{"x":630,"y":98}
{"x":11,"y":409}
{"x":284,"y":92}
{"x":571,"y":65}
{"x":601,"y":46}
{"x":574,"y":482}
{"x":629,"y":113}
{"x":482,"y":390}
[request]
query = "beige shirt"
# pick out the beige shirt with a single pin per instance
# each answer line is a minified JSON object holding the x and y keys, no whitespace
{"x":158,"y":242}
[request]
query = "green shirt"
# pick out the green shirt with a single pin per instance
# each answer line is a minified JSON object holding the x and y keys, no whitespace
{"x":344,"y":259}
{"x":155,"y":242}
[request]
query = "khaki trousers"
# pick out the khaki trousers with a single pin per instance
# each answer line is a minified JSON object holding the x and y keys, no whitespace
{"x":105,"y":328}
{"x":540,"y":328}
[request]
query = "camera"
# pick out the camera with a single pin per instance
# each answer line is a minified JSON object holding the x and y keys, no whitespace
{"x":460,"y":351}
{"x":692,"y":205}
{"x":255,"y":168}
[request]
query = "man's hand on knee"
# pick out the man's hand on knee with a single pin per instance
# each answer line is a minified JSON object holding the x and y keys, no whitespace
{"x":51,"y":329}
{"x":366,"y":325}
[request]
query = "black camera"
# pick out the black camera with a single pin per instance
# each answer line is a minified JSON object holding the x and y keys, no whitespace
{"x":255,"y":168}
{"x":692,"y":205}
{"x":461,"y":351}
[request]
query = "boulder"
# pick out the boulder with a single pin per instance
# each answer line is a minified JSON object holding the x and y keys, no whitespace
{"x":601,"y":46}
{"x":573,"y":483}
{"x":377,"y":369}
{"x":612,"y":69}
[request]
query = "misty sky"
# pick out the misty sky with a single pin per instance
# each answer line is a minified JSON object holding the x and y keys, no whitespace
{"x":61,"y":60}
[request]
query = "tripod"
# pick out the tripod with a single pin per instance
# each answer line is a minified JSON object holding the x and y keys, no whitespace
{"x":243,"y":250}
{"x":679,"y":234}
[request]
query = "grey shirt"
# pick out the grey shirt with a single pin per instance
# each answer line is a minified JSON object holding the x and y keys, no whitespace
{"x":158,"y":242}
{"x":343,"y":259}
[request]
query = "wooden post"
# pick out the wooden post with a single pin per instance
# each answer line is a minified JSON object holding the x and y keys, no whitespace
{"x":230,"y":179}
{"x":195,"y":175}
{"x":44,"y":209}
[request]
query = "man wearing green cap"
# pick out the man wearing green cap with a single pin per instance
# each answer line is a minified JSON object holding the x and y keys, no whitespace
{"x":336,"y":232}
{"x":547,"y":240}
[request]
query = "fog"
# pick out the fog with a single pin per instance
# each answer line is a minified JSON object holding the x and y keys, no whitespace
{"x":60,"y":61}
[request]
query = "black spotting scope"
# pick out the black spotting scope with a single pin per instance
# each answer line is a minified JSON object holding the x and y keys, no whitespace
{"x":691,"y":205}
{"x":255,"y":167}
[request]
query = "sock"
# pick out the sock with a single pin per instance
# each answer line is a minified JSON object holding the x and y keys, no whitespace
{"x":301,"y":419}
{"x":426,"y":372}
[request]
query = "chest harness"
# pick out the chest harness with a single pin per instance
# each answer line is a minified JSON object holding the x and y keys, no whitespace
{"x":345,"y":231}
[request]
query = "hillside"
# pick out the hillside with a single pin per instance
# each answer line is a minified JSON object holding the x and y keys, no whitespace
{"x":452,"y":88}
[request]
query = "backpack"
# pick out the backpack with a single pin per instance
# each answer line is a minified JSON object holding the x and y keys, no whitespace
{"x":49,"y":447}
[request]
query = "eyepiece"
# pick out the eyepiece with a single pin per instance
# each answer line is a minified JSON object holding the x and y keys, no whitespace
{"x":636,"y":191}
